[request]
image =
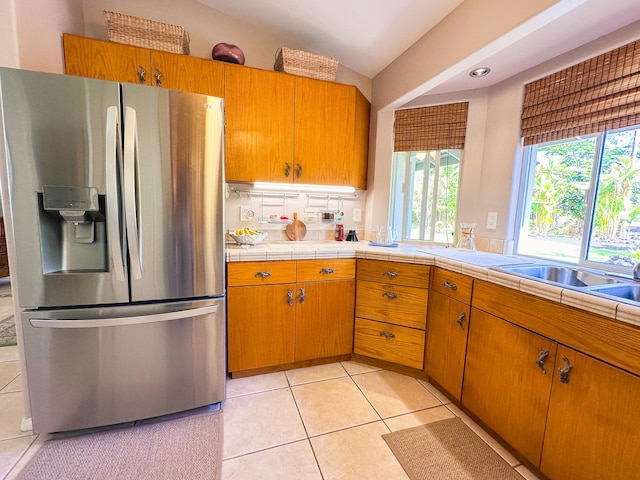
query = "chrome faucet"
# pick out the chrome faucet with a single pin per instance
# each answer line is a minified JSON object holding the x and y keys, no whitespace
{"x":636,"y":272}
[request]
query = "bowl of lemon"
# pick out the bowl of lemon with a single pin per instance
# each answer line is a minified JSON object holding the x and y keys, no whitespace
{"x":247,"y":236}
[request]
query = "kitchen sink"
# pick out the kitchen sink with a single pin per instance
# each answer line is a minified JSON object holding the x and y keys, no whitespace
{"x":628,"y":291}
{"x":568,"y":276}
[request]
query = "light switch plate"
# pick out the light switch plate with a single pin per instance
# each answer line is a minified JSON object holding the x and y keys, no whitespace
{"x":492,"y":220}
{"x":357,"y":214}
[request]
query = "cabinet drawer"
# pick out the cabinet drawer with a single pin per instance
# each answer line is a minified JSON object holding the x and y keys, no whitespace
{"x":452,"y":284}
{"x":392,"y":303}
{"x":392,"y":343}
{"x":326,"y":269}
{"x":394,"y":272}
{"x":260,"y":273}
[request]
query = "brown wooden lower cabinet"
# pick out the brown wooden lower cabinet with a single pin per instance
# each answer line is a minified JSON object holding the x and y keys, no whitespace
{"x":324,"y":321}
{"x":503,"y":384}
{"x":261,"y":326}
{"x":447,"y":329}
{"x":593,"y":424}
{"x":283,"y":312}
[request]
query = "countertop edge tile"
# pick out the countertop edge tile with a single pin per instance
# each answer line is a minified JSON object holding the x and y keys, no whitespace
{"x":628,"y":313}
{"x":590,"y":303}
{"x":504,"y":279}
{"x":475,"y":271}
{"x":541,"y":289}
{"x":453,"y":265}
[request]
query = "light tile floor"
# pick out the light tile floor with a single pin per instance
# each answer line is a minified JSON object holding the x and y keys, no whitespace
{"x":327,"y":422}
{"x":323,"y":422}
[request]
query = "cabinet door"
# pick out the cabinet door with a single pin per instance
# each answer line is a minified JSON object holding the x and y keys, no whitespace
{"x":259,"y":135}
{"x":261,"y":326}
{"x":361,"y":142}
{"x":447,"y":329}
{"x":593,"y":425}
{"x":190,"y":74}
{"x":503,"y":384}
{"x":324,"y":132}
{"x":324,"y":320}
{"x":91,"y":58}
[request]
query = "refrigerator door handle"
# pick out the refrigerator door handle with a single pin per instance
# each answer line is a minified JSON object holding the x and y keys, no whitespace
{"x":119,"y":321}
{"x":113,"y":213}
{"x":130,"y":200}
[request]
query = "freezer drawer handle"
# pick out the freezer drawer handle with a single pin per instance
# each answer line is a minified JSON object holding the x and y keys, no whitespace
{"x":119,"y":321}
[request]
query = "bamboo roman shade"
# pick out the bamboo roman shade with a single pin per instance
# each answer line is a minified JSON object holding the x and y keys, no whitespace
{"x":431,"y":128}
{"x":600,"y":94}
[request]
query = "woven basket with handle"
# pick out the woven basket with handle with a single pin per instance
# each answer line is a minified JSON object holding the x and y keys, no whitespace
{"x":141,"y":32}
{"x":306,"y":64}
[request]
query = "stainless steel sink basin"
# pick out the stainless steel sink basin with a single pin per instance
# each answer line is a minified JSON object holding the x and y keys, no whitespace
{"x":628,"y":291}
{"x":569,"y":276}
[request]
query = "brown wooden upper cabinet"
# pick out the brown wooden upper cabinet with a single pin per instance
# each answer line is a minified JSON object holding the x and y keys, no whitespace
{"x":332,"y":134}
{"x":259,"y":136}
{"x":87,"y":57}
{"x":279,"y":127}
{"x":282,"y":128}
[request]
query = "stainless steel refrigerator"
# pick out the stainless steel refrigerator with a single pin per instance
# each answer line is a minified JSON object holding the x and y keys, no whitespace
{"x":114,"y":195}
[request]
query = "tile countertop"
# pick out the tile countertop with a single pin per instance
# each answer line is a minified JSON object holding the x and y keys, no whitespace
{"x":474,"y":264}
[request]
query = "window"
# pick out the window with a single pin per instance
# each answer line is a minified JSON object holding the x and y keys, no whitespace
{"x":424,"y":195}
{"x":581,"y":200}
{"x":428,"y":146}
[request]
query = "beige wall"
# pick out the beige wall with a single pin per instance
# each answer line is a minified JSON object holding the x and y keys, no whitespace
{"x":206,"y":28}
{"x":9,"y":56}
{"x":491,"y":169}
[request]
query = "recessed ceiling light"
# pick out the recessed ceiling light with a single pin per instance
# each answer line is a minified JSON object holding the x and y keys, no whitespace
{"x":479,"y":72}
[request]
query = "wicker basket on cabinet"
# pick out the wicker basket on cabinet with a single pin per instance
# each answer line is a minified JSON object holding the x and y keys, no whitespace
{"x":141,"y":32}
{"x":306,"y":64}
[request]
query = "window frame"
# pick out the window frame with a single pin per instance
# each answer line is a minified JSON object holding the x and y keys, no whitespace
{"x":523,"y":211}
{"x":406,"y":202}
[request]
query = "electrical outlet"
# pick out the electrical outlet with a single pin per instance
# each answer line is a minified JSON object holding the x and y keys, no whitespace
{"x":246,"y":214}
{"x":492,"y":220}
{"x":357,"y":214}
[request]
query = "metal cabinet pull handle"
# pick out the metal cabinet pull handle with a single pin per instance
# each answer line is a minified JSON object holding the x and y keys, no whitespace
{"x":287,"y":169}
{"x":303,"y":295}
{"x":544,"y":353}
{"x":390,"y":295}
{"x":262,"y":274}
{"x":326,"y":271}
{"x":450,"y":285}
{"x":387,"y":335}
{"x":298,"y":170}
{"x":459,"y":320}
{"x":564,"y":371}
{"x":290,"y":295}
{"x":390,"y":274}
{"x":158,"y":77}
{"x":142,"y":74}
